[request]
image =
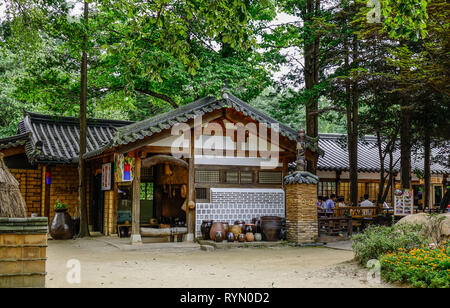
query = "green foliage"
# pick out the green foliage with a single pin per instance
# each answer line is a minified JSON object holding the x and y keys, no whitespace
{"x":422,"y":267}
{"x":60,"y":206}
{"x":378,"y":240}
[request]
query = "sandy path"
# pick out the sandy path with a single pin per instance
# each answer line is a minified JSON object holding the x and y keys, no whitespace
{"x":105,"y":266}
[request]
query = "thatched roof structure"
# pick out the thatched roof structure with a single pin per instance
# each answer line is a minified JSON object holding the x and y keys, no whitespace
{"x":12,"y":203}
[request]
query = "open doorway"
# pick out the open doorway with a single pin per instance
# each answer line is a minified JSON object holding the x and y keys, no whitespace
{"x":97,"y":205}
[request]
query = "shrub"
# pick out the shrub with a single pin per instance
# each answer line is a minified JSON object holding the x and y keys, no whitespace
{"x":422,"y":267}
{"x":60,"y":206}
{"x":377,"y":240}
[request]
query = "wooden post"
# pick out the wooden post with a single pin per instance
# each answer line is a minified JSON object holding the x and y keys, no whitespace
{"x":136,"y":203}
{"x":191,"y":187}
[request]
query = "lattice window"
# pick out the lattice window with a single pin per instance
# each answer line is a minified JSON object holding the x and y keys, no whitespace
{"x":232,"y":176}
{"x":246,"y":177}
{"x":325,"y":189}
{"x":270,"y":177}
{"x":207,"y":176}
{"x":147,"y":173}
{"x":202,"y":194}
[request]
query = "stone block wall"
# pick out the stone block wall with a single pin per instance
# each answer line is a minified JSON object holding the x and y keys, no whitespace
{"x":301,"y":213}
{"x":231,"y":204}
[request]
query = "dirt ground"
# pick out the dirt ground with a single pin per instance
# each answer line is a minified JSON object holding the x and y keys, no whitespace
{"x":103,"y":265}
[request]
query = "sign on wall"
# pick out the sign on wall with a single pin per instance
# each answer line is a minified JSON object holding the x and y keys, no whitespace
{"x":123,"y":168}
{"x":106,"y":176}
{"x":403,"y":202}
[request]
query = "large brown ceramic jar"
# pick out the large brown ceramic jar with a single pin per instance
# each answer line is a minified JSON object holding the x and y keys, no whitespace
{"x":62,"y":225}
{"x":216,"y":226}
{"x":241,"y":224}
{"x":226,"y":227}
{"x":205,"y":228}
{"x":236,"y":229}
{"x":271,"y":227}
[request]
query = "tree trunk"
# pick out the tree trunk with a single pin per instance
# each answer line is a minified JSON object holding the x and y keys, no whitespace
{"x":426,"y":169}
{"x":84,"y":224}
{"x":352,"y":98}
{"x":311,"y":72}
{"x":405,"y":146}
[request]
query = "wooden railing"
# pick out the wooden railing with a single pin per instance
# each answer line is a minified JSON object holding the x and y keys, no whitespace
{"x":356,"y":211}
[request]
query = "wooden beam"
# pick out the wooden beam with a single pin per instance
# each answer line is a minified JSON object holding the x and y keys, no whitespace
{"x":191,"y":187}
{"x":161,"y":159}
{"x":13,"y":151}
{"x":136,"y":202}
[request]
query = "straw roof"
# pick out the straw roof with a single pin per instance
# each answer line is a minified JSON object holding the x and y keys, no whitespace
{"x":12,"y":203}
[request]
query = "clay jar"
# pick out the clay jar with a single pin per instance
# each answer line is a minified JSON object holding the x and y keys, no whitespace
{"x":249,"y":237}
{"x":218,"y":236}
{"x":250,"y":228}
{"x":226,"y":227}
{"x":206,"y":228}
{"x":230,"y":237}
{"x":258,"y":237}
{"x":62,"y":225}
{"x":236,"y":229}
{"x":241,"y":224}
{"x":271,"y":227}
{"x":216,"y":226}
{"x":241,"y":238}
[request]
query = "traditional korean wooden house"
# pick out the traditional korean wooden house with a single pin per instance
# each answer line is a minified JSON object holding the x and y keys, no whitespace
{"x":180,"y":167}
{"x":216,"y":158}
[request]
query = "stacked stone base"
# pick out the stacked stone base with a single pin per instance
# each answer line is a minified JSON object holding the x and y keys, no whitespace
{"x":23,"y":244}
{"x":301,"y":213}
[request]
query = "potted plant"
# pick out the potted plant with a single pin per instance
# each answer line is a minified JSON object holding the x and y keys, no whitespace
{"x":62,"y":224}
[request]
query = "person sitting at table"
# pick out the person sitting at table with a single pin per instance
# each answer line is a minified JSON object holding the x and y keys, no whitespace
{"x":319,"y":202}
{"x":330,"y":203}
{"x":366,"y":202}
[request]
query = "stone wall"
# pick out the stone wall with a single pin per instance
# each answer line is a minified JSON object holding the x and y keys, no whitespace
{"x":301,"y":213}
{"x":231,"y":204}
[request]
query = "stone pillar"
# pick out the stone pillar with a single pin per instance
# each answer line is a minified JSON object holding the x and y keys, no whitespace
{"x":301,"y":208}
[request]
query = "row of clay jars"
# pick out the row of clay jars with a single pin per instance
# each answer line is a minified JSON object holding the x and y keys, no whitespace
{"x":248,"y":237}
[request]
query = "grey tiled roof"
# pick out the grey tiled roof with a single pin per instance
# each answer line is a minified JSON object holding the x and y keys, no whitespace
{"x":14,"y":141}
{"x":146,"y":128}
{"x":56,"y":139}
{"x":336,"y":155}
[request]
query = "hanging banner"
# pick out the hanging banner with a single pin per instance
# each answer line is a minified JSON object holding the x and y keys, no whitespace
{"x":123,"y":168}
{"x":404,"y":202}
{"x":106,"y":176}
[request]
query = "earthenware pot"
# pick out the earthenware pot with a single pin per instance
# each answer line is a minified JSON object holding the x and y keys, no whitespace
{"x":258,"y":226}
{"x":241,"y":237}
{"x":240,"y":223}
{"x":206,"y":228}
{"x":62,"y":225}
{"x":250,"y":228}
{"x":218,"y":236}
{"x":249,"y":237}
{"x":230,"y":237}
{"x":226,"y":227}
{"x":216,"y":226}
{"x":271,"y":227}
{"x":258,"y":237}
{"x":236,"y":229}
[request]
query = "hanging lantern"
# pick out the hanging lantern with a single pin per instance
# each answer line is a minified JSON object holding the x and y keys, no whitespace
{"x":48,"y":179}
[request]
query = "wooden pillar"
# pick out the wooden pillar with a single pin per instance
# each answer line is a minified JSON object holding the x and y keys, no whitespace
{"x":136,"y":203}
{"x":191,"y":193}
{"x":43,"y":187}
{"x":338,"y":181}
